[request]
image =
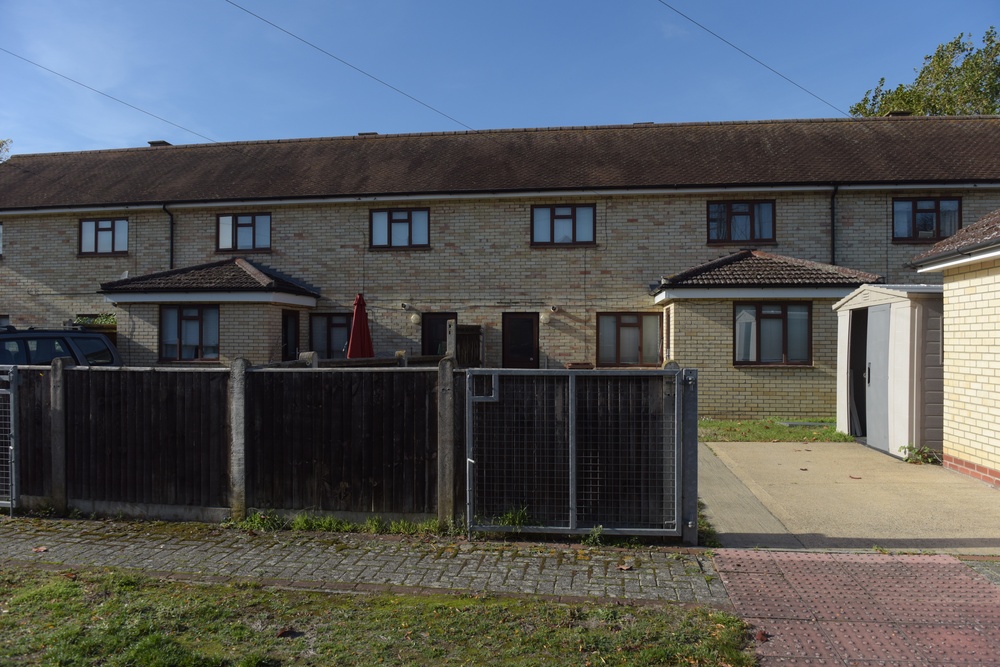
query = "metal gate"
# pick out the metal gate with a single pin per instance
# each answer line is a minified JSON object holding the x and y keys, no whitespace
{"x":8,"y":437}
{"x":563,"y":451}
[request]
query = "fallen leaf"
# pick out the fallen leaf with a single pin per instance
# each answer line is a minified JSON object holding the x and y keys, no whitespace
{"x":803,"y":468}
{"x":70,"y":575}
{"x":289,"y":632}
{"x":625,"y":567}
{"x":853,"y":477}
{"x":39,"y":550}
{"x":762,"y":636}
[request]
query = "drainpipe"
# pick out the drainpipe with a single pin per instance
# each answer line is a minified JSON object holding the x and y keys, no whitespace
{"x":833,"y":225}
{"x":171,"y":236}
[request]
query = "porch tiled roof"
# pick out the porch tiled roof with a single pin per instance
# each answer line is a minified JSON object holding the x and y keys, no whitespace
{"x":230,"y":275}
{"x":983,"y":232}
{"x":753,"y":268}
{"x":870,"y":151}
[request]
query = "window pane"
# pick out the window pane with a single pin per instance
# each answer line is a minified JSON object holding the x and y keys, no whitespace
{"x":1,"y":238}
{"x":189,"y":339}
{"x":717,"y":228}
{"x":121,"y":235}
{"x":628,"y":346}
{"x":746,"y":333}
{"x":740,"y":227}
{"x":584,"y":225}
{"x":244,"y":237}
{"x":764,"y":220}
{"x":168,"y":333}
{"x":104,"y":237}
{"x":902,"y":220}
{"x":542,"y":232}
{"x":563,"y":230}
{"x":949,"y":217}
{"x":651,"y":339}
{"x":607,"y":327}
{"x":400,"y":233}
{"x":418,"y":228}
{"x":210,"y":333}
{"x":317,"y":334}
{"x":798,"y":333}
{"x":88,"y":235}
{"x":225,"y":232}
{"x":925,"y":224}
{"x":380,"y":228}
{"x":339,"y":336}
{"x":263,"y":231}
{"x":564,"y":211}
{"x":771,"y":343}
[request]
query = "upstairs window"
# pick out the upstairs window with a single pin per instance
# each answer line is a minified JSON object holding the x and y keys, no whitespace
{"x":104,"y":237}
{"x":562,"y":225}
{"x":244,"y":232}
{"x":772,"y":333}
{"x":916,"y":220}
{"x":1,"y":239}
{"x":400,"y":228}
{"x":741,"y":222}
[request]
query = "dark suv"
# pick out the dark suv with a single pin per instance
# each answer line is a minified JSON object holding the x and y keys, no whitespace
{"x":38,"y":347}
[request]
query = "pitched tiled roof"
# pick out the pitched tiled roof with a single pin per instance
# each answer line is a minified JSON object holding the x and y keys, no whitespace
{"x":229,"y":275}
{"x":984,"y":232}
{"x":752,"y":268}
{"x":896,"y":150}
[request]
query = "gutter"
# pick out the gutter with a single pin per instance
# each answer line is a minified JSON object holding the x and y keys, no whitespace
{"x":974,"y":253}
{"x":833,"y":225}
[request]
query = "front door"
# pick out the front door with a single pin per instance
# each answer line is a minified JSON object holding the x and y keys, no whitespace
{"x":520,"y":340}
{"x":289,"y":335}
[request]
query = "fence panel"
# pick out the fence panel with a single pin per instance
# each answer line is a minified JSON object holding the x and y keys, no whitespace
{"x":567,"y":451}
{"x":148,"y":436}
{"x":342,"y":440}
{"x":8,"y":437}
{"x":34,"y":424}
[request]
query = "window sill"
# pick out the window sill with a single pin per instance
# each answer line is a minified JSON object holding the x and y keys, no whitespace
{"x":189,"y":362}
{"x":905,"y":241}
{"x":547,"y":246}
{"x":749,"y":243}
{"x":398,"y":248}
{"x":804,"y":364}
{"x":243,"y":251}
{"x":102,"y":254}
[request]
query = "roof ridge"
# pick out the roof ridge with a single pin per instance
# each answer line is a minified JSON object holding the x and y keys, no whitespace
{"x":254,"y":272}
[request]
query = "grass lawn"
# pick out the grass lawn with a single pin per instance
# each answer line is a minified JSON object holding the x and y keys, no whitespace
{"x":117,"y":618}
{"x":770,"y":430}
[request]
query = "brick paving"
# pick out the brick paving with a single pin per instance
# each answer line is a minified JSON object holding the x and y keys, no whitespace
{"x":866,"y":608}
{"x":339,"y":562}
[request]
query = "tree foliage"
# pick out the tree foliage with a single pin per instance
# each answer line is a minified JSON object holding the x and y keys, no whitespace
{"x":4,"y":148}
{"x":958,"y":79}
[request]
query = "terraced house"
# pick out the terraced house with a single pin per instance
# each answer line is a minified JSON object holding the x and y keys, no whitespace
{"x":721,"y":246}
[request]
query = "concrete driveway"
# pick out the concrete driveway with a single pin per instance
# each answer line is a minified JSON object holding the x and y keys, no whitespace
{"x":833,"y":495}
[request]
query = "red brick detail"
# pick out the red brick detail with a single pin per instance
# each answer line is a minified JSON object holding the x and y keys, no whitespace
{"x":982,"y":473}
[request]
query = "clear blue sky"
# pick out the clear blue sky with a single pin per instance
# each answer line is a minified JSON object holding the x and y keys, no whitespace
{"x":212,"y":68}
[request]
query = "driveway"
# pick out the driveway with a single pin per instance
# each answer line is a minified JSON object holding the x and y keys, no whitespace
{"x":834,"y":495}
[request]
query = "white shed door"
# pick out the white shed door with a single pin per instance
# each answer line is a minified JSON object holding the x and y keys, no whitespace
{"x":877,"y":378}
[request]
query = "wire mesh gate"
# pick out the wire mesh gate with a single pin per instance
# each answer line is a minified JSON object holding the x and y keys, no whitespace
{"x":8,"y":437}
{"x":568,"y":451}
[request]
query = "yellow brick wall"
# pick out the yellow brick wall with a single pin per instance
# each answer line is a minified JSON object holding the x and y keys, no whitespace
{"x":972,"y":369}
{"x":703,"y":339}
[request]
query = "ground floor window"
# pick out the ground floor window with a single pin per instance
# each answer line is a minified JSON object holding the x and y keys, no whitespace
{"x":772,"y":333}
{"x":329,"y":334}
{"x":434,"y":332}
{"x":189,"y":333}
{"x":628,"y":339}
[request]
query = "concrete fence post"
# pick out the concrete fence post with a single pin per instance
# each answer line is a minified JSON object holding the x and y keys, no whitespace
{"x":237,"y":444}
{"x":446,"y":433}
{"x":57,"y":441}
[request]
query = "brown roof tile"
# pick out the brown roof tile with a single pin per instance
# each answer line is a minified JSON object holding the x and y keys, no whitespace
{"x":229,"y":275}
{"x":797,"y":152}
{"x":753,"y":268}
{"x":983,"y":232}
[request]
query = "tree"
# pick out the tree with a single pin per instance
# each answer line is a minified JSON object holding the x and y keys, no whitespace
{"x":956,"y":80}
{"x":4,"y":148}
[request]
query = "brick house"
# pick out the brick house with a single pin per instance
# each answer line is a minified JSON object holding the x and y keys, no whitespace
{"x":970,"y":264}
{"x":545,"y":241}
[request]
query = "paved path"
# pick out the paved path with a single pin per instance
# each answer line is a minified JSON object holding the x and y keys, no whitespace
{"x":865,"y":609}
{"x":339,"y":562}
